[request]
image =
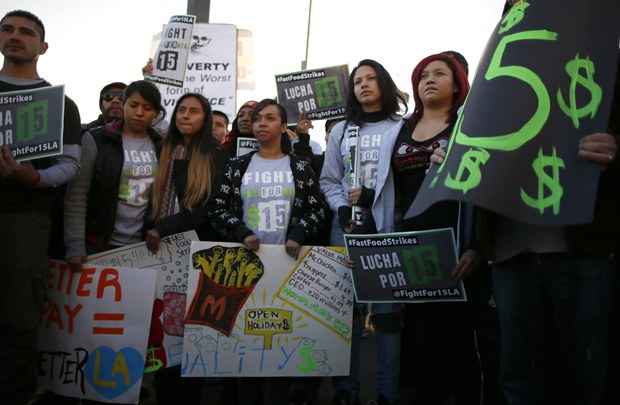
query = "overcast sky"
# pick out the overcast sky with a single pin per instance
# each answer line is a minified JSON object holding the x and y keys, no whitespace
{"x":95,"y":42}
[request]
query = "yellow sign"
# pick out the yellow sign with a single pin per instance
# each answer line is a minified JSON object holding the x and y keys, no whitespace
{"x":267,"y":322}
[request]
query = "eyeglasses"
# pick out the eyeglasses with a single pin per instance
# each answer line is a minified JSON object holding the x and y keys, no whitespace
{"x":111,"y":95}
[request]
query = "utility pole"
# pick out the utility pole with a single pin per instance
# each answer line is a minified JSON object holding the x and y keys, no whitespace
{"x":304,"y":63}
{"x":199,"y":8}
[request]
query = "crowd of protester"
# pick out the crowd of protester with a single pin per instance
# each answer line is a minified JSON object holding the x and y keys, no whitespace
{"x":537,"y":323}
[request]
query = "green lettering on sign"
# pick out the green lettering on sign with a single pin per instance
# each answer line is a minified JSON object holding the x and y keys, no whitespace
{"x":573,"y":68}
{"x":422,"y":265}
{"x":328,"y":92}
{"x":552,"y":183}
{"x":532,"y":128}
{"x":31,"y":120}
{"x":514,"y":16}
{"x":470,"y":161}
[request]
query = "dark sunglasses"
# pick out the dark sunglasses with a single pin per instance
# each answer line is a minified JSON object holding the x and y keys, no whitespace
{"x":111,"y":95}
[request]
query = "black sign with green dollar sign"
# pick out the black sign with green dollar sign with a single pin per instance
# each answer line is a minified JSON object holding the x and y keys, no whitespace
{"x":405,"y":267}
{"x":318,"y":93}
{"x":545,"y":81}
{"x":31,"y":122}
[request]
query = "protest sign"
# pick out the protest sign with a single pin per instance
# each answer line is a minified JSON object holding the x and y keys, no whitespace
{"x":545,"y":81}
{"x":172,"y":265}
{"x":318,"y":93}
{"x":211,"y":69}
{"x":94,"y":331}
{"x":405,"y":267}
{"x":171,"y":58}
{"x":246,"y":145}
{"x":31,"y":122}
{"x":263,"y":314}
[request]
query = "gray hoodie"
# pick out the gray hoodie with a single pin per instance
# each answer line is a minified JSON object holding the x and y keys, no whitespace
{"x":377,"y":139}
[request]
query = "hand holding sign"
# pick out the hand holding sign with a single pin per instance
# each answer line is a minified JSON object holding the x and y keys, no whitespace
{"x":467,"y":263}
{"x":304,"y":124}
{"x":599,"y":148}
{"x":23,"y":173}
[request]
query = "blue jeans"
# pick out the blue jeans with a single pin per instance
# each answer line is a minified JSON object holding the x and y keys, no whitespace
{"x":388,"y":365}
{"x":553,"y":313}
{"x":388,"y":347}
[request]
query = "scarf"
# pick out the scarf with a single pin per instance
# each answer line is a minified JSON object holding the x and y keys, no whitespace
{"x":169,"y":200}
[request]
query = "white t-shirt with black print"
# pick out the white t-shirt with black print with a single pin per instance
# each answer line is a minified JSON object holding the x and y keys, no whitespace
{"x":134,"y":189}
{"x":268,"y":190}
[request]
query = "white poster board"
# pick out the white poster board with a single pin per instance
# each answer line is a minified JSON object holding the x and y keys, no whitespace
{"x":172,"y":265}
{"x":264,"y":314}
{"x":94,"y":331}
{"x":170,"y":61}
{"x":211,"y":69}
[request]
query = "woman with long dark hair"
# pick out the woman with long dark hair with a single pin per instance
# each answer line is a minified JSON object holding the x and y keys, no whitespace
{"x":373,"y":107}
{"x":268,"y":196}
{"x":190,"y":163}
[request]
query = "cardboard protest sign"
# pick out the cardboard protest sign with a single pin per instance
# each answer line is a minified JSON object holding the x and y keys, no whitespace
{"x":211,"y":69}
{"x":172,"y":265}
{"x":246,"y":145}
{"x":263,"y":314}
{"x":31,"y":122}
{"x":170,"y":60}
{"x":94,"y":331}
{"x":405,"y":267}
{"x":319,"y":93}
{"x":545,"y":81}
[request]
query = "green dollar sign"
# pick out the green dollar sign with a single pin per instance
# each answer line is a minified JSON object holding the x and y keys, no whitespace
{"x":573,"y":68}
{"x":471,"y":161}
{"x":422,"y":265}
{"x":544,"y":180}
{"x":253,"y":217}
{"x":305,"y":353}
{"x":514,"y":16}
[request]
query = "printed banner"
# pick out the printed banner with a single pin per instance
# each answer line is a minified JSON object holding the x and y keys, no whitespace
{"x":545,"y":81}
{"x":94,"y":331}
{"x":319,"y":93}
{"x":246,"y":145}
{"x":211,"y":69}
{"x":264,"y":314}
{"x":31,"y":122}
{"x":171,"y":58}
{"x":172,"y":265}
{"x":405,"y":267}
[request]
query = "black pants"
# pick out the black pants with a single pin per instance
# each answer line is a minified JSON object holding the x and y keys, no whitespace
{"x":23,"y":265}
{"x":441,"y":359}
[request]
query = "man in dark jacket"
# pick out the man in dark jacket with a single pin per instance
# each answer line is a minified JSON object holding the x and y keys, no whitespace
{"x":110,"y":105}
{"x":26,"y":194}
{"x":552,"y":286}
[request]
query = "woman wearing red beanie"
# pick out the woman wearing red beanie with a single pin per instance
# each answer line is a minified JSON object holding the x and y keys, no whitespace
{"x":439,"y":335}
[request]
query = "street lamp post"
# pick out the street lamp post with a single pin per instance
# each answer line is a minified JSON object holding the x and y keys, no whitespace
{"x":199,"y":8}
{"x":304,"y":63}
